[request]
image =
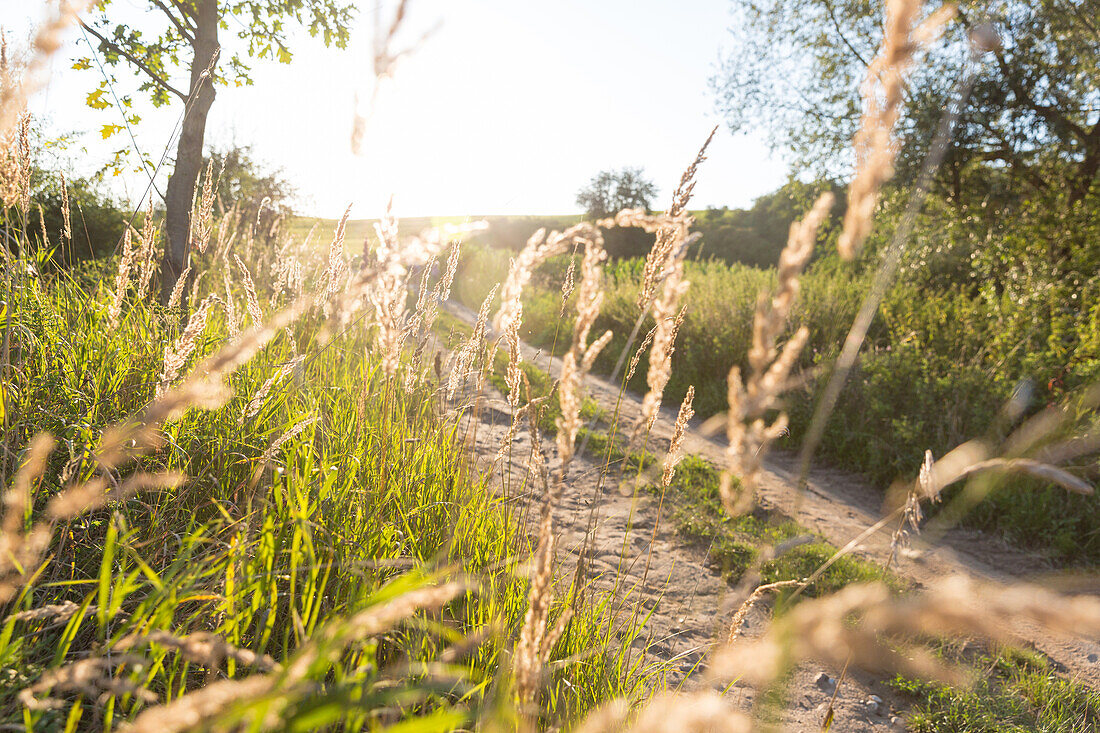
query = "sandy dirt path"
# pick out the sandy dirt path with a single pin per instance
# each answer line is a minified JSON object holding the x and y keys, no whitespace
{"x":689,"y":601}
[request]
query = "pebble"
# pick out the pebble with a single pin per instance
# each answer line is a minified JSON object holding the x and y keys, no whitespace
{"x":1093,"y":657}
{"x":874,"y":705}
{"x":825,"y":682}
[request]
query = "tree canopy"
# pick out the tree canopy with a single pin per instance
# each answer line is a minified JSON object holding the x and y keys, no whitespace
{"x":611,"y":191}
{"x":795,"y":66}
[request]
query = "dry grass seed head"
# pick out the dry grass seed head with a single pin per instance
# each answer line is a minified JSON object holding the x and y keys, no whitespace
{"x":205,"y":648}
{"x":90,"y":496}
{"x":90,"y":677}
{"x":19,"y":550}
{"x":177,"y":289}
{"x":748,"y":434}
{"x":883,"y":93}
{"x":202,"y":212}
{"x":537,"y":637}
{"x":66,"y":215}
{"x":675,"y":448}
{"x":177,"y":354}
{"x":149,"y":252}
{"x":467,"y":353}
{"x":873,"y":626}
{"x":122,"y":278}
{"x":257,"y":400}
{"x":250,"y":292}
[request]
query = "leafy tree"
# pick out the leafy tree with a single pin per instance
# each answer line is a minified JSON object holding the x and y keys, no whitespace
{"x":244,"y":182}
{"x":612,"y":191}
{"x":1034,"y":113}
{"x":755,"y":236}
{"x":183,"y":35}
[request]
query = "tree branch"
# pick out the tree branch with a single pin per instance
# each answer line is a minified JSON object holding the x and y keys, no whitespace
{"x":183,"y":10}
{"x":839,"y":32}
{"x":185,"y":31}
{"x":1049,"y":113}
{"x":157,"y":78}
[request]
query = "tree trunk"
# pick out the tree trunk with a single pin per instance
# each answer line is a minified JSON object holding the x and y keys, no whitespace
{"x":181,"y":185}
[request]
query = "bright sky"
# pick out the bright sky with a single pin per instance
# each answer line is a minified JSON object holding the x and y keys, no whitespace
{"x":508,"y":108}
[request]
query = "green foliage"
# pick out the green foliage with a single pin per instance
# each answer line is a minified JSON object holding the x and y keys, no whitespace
{"x":755,"y":236}
{"x":1015,"y":692}
{"x":97,"y":220}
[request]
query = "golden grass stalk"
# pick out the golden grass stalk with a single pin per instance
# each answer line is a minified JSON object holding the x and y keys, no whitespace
{"x":227,"y":232}
{"x":748,"y":434}
{"x":20,"y":550}
{"x":201,"y":708}
{"x":875,"y":628}
{"x":669,"y":237}
{"x":755,"y":597}
{"x":203,"y":647}
{"x":94,"y":494}
{"x":568,"y":283}
{"x":122,"y":279}
{"x":177,"y":289}
{"x":14,"y":163}
{"x":251,"y":300}
{"x":203,"y":388}
{"x":67,"y":229}
{"x":537,"y":638}
{"x":205,"y":385}
{"x":664,"y":345}
{"x":539,"y":247}
{"x":54,"y":612}
{"x":665,"y":269}
{"x":92,"y":678}
{"x":1027,"y":466}
{"x":425,"y":317}
{"x":195,"y":287}
{"x":42,"y":226}
{"x":675,"y":448}
{"x":202,"y":213}
{"x":232,"y":322}
{"x":911,"y":513}
{"x":633,"y":366}
{"x":883,"y":93}
{"x":177,"y":353}
{"x":330,"y":282}
{"x":291,"y":433}
{"x":389,"y":291}
{"x":466,"y":355}
{"x":257,"y":400}
{"x":514,"y":373}
{"x":149,"y":254}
